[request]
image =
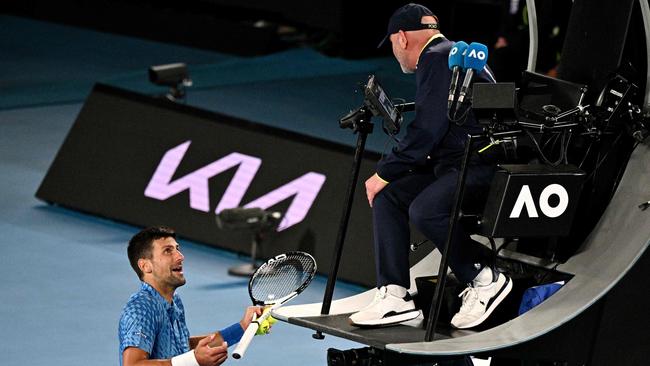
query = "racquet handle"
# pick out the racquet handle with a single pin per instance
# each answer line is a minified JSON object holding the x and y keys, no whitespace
{"x":249,"y":333}
{"x":245,"y":340}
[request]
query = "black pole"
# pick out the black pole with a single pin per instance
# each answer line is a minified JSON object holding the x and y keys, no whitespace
{"x":363,"y":127}
{"x":436,"y":303}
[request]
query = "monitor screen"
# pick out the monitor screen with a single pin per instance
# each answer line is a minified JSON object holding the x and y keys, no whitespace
{"x":381,"y":105}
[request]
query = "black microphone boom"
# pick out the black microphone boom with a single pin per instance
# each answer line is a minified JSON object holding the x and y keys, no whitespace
{"x":456,"y":65}
{"x":463,"y":89}
{"x":453,"y":86}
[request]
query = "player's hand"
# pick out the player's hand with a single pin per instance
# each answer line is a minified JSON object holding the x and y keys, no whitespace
{"x":248,"y":315}
{"x":210,"y":356}
{"x":374,"y":185}
{"x":267,"y":324}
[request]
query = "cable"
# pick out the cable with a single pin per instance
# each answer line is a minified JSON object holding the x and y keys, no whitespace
{"x":462,"y":118}
{"x":601,"y":161}
{"x":554,"y":137}
{"x":586,"y":154}
{"x":566,"y":148}
{"x":619,"y":175}
{"x":541,"y":153}
{"x":547,"y":273}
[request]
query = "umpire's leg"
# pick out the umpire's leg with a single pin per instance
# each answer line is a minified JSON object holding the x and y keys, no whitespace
{"x":391,"y":228}
{"x":430,"y":212}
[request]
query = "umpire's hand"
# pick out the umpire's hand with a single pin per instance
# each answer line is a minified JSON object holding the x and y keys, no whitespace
{"x":374,"y":185}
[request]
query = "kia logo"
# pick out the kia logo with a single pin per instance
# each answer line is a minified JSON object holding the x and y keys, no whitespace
{"x":303,"y":189}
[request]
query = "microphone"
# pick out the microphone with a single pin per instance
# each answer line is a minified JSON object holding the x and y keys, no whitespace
{"x":474,"y":61}
{"x":247,"y":218}
{"x":456,"y":65}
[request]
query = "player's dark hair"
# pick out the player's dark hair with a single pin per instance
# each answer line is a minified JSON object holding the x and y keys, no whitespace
{"x":141,"y":244}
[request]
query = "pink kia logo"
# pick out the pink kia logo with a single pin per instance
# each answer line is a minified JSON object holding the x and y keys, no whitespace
{"x":304,"y":189}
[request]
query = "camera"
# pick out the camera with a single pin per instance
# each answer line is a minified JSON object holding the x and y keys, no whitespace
{"x":175,"y":76}
{"x":366,"y":356}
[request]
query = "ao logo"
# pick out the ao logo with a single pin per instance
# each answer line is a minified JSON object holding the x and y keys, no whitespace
{"x":479,"y":55}
{"x":454,"y":51}
{"x":525,"y":199}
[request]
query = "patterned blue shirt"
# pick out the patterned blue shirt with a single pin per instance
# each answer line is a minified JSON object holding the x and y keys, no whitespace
{"x":158,"y":327}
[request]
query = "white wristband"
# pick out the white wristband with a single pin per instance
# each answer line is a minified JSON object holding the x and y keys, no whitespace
{"x":185,"y":359}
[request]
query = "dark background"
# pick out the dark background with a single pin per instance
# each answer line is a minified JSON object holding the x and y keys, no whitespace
{"x":337,"y":27}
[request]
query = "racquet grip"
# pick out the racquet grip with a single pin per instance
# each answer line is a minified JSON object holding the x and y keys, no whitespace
{"x":246,"y":339}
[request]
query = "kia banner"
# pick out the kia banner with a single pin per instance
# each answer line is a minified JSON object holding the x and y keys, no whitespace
{"x":147,"y":161}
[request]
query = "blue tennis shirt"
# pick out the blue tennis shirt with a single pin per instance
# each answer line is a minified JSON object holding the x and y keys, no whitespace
{"x":158,"y":327}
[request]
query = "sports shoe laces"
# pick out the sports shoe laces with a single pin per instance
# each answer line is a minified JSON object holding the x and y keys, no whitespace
{"x":469,"y":295}
{"x":379,"y":295}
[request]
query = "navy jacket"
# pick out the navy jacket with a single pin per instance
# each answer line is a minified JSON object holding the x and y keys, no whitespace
{"x":430,"y":138}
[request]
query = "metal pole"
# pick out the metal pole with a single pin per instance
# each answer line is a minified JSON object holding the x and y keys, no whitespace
{"x":645,"y":13}
{"x":436,"y":302}
{"x":533,"y":35}
{"x":364,"y":127}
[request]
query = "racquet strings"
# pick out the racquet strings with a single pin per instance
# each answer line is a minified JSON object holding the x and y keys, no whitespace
{"x":282,"y":277}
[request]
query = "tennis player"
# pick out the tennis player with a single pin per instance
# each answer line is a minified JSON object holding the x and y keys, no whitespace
{"x":152,"y":329}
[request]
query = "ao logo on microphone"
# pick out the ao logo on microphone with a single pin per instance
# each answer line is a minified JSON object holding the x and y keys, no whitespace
{"x":481,"y":55}
{"x":525,"y":199}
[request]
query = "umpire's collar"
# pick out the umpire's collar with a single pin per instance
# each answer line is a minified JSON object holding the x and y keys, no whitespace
{"x":436,"y":37}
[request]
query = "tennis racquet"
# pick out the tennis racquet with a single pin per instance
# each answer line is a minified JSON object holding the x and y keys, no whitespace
{"x":277,"y":281}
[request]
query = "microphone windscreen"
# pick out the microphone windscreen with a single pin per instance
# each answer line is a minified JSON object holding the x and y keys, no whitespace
{"x":240,"y":218}
{"x":476,"y":56}
{"x":456,"y":55}
{"x":247,"y":218}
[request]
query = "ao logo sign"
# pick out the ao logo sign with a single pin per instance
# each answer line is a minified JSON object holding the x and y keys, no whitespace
{"x":479,"y":55}
{"x":525,"y":199}
{"x":303,"y":189}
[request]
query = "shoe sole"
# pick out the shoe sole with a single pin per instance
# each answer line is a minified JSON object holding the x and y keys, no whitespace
{"x":391,"y":320}
{"x":505,"y":290}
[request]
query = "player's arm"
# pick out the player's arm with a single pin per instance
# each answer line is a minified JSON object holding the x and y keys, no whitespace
{"x":217,"y":341}
{"x":202,"y":354}
{"x":133,"y":356}
{"x":233,"y":333}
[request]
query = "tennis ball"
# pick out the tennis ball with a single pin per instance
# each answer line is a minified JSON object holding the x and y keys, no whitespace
{"x":263,"y":328}
{"x":272,"y":320}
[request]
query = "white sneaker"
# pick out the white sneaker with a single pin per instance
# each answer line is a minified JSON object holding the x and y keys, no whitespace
{"x":480,"y":301}
{"x":392,"y":304}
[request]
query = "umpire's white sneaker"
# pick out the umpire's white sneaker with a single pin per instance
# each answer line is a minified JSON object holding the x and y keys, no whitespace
{"x":392,"y":305}
{"x":479,"y":301}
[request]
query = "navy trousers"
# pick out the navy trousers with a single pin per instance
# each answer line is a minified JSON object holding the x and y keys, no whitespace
{"x":426,"y":200}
